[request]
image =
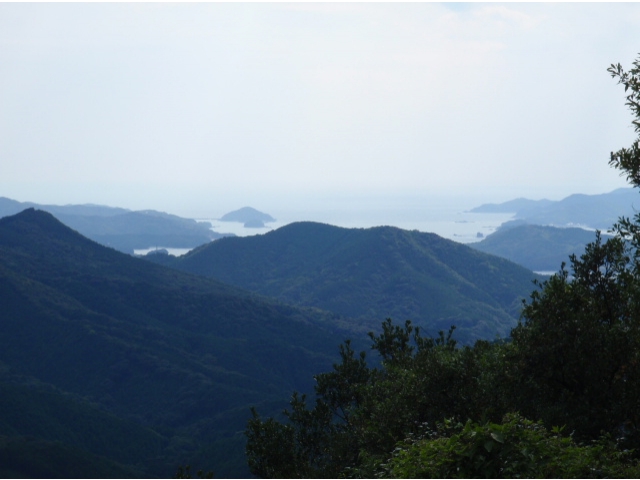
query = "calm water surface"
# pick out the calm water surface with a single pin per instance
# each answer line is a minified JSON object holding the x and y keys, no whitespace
{"x":449,"y":219}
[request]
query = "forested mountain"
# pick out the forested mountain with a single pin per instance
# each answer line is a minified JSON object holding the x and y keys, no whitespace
{"x":544,"y":233}
{"x":107,"y":356}
{"x":371,"y":274}
{"x":540,"y":248}
{"x":123,"y":229}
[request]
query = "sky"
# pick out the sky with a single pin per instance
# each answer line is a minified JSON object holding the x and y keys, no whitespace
{"x":196,"y":107}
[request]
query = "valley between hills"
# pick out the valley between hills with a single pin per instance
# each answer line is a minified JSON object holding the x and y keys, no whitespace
{"x":113,"y":365}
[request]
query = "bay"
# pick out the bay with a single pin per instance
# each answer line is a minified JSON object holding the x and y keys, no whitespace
{"x":448,"y":217}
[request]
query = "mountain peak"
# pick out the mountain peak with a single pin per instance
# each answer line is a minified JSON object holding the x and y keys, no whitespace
{"x":37,"y":228}
{"x":33,"y":217}
{"x":372,"y":273}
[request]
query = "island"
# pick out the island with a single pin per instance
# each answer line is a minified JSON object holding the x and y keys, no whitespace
{"x":251,"y":217}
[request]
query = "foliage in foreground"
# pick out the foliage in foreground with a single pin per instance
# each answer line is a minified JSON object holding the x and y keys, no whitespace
{"x":515,"y":448}
{"x":388,"y":421}
{"x":573,"y":365}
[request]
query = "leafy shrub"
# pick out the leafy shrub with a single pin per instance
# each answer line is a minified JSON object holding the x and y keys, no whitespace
{"x":515,"y":448}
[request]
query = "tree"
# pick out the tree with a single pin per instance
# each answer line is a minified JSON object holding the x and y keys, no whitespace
{"x":628,"y":159}
{"x":318,"y":442}
{"x":573,"y":360}
{"x":361,"y":413}
{"x":513,"y":448}
{"x":577,"y":349}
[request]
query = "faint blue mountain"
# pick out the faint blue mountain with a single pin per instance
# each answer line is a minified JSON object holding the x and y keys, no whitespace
{"x":592,"y":211}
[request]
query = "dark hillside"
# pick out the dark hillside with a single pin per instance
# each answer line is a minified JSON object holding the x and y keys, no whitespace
{"x":31,"y":457}
{"x":122,"y":229}
{"x":540,"y":248}
{"x":174,"y":358}
{"x":371,"y":274}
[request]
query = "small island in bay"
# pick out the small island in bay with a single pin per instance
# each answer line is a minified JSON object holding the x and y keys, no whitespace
{"x":251,"y":217}
{"x":254,"y":224}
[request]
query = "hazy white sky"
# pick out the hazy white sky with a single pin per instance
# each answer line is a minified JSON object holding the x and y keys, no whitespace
{"x":176,"y":106}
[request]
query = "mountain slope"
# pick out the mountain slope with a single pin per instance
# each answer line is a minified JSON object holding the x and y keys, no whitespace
{"x":536,"y":247}
{"x":518,"y":205}
{"x":123,"y":229}
{"x":371,"y":274}
{"x":178,"y":358}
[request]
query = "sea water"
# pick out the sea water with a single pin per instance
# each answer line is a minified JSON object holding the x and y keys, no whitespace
{"x":449,"y":218}
{"x":460,"y":226}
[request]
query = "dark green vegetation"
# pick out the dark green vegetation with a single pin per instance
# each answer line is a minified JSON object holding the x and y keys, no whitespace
{"x":536,"y":247}
{"x":437,"y":410}
{"x":127,"y":368}
{"x":595,"y":211}
{"x":370,"y":274}
{"x":434,"y":409}
{"x":30,"y":457}
{"x":113,"y":366}
{"x":513,"y":448}
{"x":559,"y":400}
{"x":122,"y":229}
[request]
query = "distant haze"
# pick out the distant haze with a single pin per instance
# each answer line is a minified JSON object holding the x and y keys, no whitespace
{"x":200,"y":109}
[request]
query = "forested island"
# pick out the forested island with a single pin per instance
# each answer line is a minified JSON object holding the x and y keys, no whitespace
{"x":250,"y":217}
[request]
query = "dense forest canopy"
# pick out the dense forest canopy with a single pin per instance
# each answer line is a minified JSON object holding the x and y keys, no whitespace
{"x":560,"y":399}
{"x":104,"y":356}
{"x":372,"y":273}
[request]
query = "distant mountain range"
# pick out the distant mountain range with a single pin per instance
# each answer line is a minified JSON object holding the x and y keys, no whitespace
{"x":541,"y":236}
{"x":113,"y":366}
{"x":123,"y":229}
{"x":371,"y":274}
{"x":593,"y":211}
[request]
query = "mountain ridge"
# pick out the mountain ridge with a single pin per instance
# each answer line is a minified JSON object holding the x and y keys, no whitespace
{"x":594,"y":211}
{"x":537,"y":247}
{"x":175,"y":355}
{"x":123,"y":229}
{"x":371,"y":274}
